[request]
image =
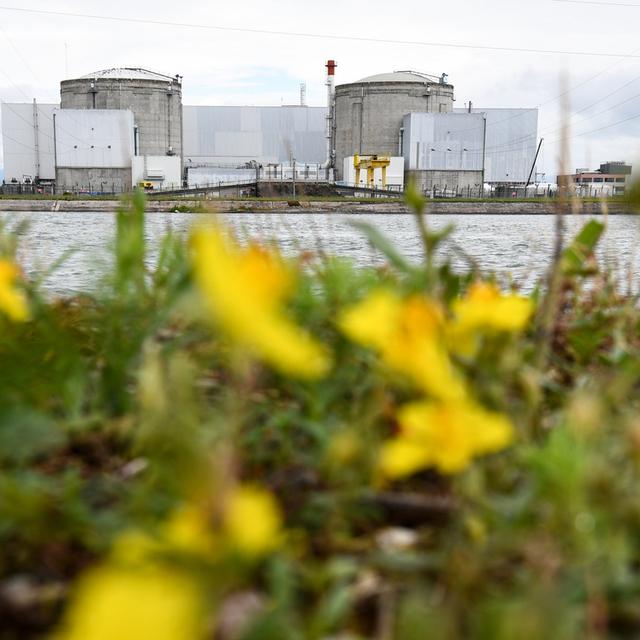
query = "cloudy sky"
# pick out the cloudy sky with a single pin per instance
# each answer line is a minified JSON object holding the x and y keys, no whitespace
{"x":238,"y":67}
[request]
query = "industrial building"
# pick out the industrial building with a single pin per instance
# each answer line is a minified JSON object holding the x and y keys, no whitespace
{"x":611,"y":179}
{"x":511,"y":142}
{"x":118,"y":128}
{"x":411,"y":115}
{"x":113,"y":129}
{"x":369,"y":112}
{"x":444,"y":150}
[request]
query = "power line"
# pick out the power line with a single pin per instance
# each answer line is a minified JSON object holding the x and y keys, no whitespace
{"x":602,"y":4}
{"x":41,"y":112}
{"x":608,"y":126}
{"x":319,"y":36}
{"x":523,"y":112}
{"x":8,"y":137}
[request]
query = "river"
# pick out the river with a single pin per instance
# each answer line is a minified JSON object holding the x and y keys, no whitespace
{"x":516,"y":245}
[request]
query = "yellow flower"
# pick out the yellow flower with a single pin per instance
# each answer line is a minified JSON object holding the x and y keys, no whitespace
{"x":245,"y":289}
{"x":408,"y":334}
{"x":446,"y":436}
{"x":134,"y":603}
{"x":484,"y":307}
{"x":252,"y":521}
{"x":12,"y":300}
{"x":189,"y":531}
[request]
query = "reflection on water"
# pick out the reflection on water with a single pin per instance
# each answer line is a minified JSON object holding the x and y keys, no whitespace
{"x":519,"y":245}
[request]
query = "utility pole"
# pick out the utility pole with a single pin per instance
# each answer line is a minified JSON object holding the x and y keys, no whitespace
{"x":36,"y":145}
{"x":258,"y":167}
{"x":293,"y":176}
{"x":533,"y":166}
{"x":484,"y":149}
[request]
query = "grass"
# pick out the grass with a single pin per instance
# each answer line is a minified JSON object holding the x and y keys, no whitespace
{"x":124,"y":410}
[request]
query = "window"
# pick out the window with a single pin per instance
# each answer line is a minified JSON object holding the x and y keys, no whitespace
{"x":620,"y":179}
{"x":609,"y":179}
{"x":597,"y":180}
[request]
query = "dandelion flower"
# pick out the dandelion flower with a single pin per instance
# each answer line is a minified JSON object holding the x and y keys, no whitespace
{"x":245,"y":289}
{"x":134,"y":603}
{"x":252,"y":521}
{"x":408,"y":334}
{"x":485,"y":307}
{"x":446,"y":436}
{"x":12,"y":301}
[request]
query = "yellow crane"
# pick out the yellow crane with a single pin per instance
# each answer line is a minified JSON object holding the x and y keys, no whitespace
{"x":371,"y":163}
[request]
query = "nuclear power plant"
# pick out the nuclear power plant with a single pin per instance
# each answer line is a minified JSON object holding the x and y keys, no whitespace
{"x":119,"y":128}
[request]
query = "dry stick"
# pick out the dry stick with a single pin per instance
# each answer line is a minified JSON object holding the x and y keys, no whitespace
{"x":417,"y":203}
{"x":550,"y":308}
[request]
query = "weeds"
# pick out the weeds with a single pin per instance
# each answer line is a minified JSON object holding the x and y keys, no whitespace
{"x":231,"y":445}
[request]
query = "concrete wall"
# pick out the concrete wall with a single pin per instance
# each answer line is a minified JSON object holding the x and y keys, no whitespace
{"x":368,"y":115}
{"x":19,"y":141}
{"x":95,"y":180}
{"x":92,"y":138}
{"x":156,"y":107}
{"x":426,"y":181}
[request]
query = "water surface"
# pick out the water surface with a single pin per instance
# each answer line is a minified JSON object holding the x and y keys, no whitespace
{"x":518,"y":245}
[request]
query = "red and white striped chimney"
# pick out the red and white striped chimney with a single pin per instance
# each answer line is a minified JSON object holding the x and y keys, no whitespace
{"x":331,"y":72}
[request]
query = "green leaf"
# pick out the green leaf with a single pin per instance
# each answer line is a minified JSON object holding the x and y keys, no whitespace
{"x":414,"y":199}
{"x":26,"y":434}
{"x":130,"y":247}
{"x":576,"y":255}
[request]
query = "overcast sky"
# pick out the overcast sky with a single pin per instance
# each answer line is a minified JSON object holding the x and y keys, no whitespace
{"x":244,"y":68}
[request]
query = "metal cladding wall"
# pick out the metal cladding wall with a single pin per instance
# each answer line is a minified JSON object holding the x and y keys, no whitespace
{"x":228,"y":135}
{"x":19,"y":141}
{"x":155,"y":100}
{"x":93,"y":138}
{"x":443,"y":141}
{"x":511,"y":142}
{"x":369,"y":113}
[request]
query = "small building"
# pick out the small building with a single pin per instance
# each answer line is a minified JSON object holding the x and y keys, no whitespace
{"x":611,"y":179}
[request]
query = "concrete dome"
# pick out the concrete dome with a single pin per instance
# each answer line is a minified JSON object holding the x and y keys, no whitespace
{"x":127,"y":73}
{"x":400,"y":76}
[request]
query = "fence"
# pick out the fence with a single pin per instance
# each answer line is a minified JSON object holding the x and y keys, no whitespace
{"x":27,"y":188}
{"x":246,"y":187}
{"x":493,"y":191}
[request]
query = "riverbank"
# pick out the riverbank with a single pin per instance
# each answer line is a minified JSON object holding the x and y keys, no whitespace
{"x":453,"y":207}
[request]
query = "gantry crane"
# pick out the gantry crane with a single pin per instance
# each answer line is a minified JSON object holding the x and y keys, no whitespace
{"x":371,"y":163}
